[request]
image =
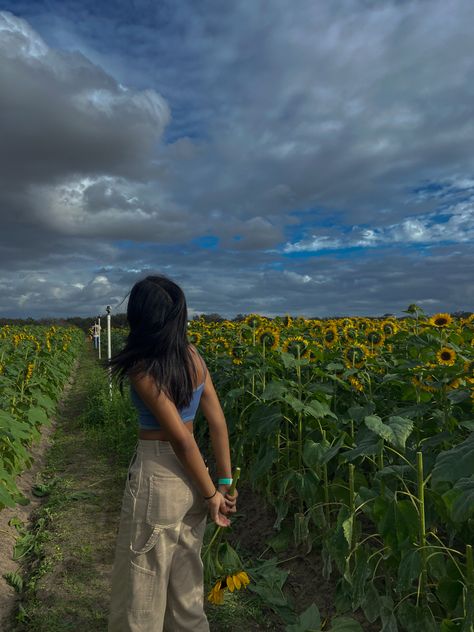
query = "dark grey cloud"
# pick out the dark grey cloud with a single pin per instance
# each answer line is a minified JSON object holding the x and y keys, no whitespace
{"x":130,"y":133}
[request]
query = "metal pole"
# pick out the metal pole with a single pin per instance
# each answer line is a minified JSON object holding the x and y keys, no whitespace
{"x":109,"y":346}
{"x":100,"y":354}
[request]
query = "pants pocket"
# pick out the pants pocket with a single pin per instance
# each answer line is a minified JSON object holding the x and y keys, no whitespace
{"x":169,"y":499}
{"x":142,"y":584}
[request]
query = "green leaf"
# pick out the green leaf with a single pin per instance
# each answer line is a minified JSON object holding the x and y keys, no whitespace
{"x":408,"y":570}
{"x":37,"y":416}
{"x":453,"y":464}
{"x":396,"y":431}
{"x":462,"y":499}
{"x":274,"y":390}
{"x":345,"y":624}
{"x":318,"y":410}
{"x":308,"y":621}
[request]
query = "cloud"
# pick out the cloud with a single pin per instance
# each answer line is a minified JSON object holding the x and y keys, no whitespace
{"x":243,"y":152}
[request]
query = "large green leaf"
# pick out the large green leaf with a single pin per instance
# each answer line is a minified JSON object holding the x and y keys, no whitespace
{"x":396,"y":431}
{"x":453,"y":464}
{"x":408,"y":570}
{"x":460,"y":499}
{"x":308,"y":621}
{"x":345,"y":624}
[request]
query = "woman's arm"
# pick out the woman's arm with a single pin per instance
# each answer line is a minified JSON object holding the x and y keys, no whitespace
{"x":183,"y":442}
{"x":214,"y":414}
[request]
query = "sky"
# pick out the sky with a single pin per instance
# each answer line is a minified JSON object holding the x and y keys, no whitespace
{"x":312,"y":157}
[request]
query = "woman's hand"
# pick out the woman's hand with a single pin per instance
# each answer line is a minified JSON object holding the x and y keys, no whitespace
{"x":230,"y":501}
{"x":218,"y":509}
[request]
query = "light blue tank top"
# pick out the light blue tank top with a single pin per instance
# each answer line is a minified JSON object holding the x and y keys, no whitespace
{"x":147,"y":420}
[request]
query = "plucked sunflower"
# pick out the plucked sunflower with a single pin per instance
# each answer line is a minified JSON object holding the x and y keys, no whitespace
{"x":232,"y":582}
{"x":441,"y":320}
{"x":446,"y":356}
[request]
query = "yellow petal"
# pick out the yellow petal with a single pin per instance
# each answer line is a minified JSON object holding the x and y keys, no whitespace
{"x":244,"y":578}
{"x":230,"y":583}
{"x":237,"y":582}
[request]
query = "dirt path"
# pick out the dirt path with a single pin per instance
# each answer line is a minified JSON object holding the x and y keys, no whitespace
{"x":68,"y":578}
{"x":25,"y":482}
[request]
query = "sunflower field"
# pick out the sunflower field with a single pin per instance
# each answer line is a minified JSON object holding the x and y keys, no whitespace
{"x":360,"y":434}
{"x":35,"y":362}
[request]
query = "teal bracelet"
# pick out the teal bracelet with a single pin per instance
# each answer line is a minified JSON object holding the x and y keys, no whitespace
{"x":224,"y":481}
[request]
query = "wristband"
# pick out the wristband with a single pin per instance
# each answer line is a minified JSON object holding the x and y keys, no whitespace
{"x":225,"y":481}
{"x":211,"y":496}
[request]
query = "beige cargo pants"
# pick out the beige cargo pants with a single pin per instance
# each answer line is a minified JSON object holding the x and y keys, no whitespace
{"x":157,"y":578}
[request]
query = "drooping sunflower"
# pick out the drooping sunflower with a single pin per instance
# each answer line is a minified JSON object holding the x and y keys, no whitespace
{"x":446,"y":356}
{"x":293,"y":343}
{"x":269,"y":336}
{"x":216,"y":595}
{"x":441,"y":320}
{"x":355,"y":356}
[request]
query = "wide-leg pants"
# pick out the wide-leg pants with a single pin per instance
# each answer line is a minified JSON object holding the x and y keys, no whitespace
{"x":157,"y":578}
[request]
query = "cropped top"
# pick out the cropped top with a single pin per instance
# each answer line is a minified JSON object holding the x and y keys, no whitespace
{"x":148,"y":421}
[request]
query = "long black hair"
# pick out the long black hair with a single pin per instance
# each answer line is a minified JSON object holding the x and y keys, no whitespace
{"x":157,"y":344}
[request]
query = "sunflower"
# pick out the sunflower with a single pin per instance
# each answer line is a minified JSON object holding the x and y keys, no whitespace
{"x":357,"y":384}
{"x":355,"y":356}
{"x":441,"y":320}
{"x":293,"y":343}
{"x":269,"y":336}
{"x":216,"y":595}
{"x":350,"y":333}
{"x":237,"y":581}
{"x":237,"y":353}
{"x":252,"y":320}
{"x":330,"y":336}
{"x":469,"y":368}
{"x":374,"y":337}
{"x":388,"y":327}
{"x":446,"y":356}
{"x":219,"y":344}
{"x":313,"y":352}
{"x":194,"y":337}
{"x":424,"y":385}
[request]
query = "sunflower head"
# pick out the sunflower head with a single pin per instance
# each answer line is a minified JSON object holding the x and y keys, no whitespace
{"x":268,"y":336}
{"x":355,"y":356}
{"x":194,"y":337}
{"x":296,"y":345}
{"x":441,"y":320}
{"x":388,"y":327}
{"x":330,"y":336}
{"x":374,"y":337}
{"x":446,"y":356}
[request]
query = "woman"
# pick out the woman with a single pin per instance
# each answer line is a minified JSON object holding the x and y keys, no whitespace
{"x":157,"y":580}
